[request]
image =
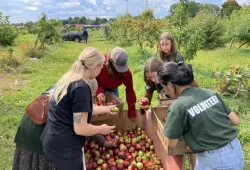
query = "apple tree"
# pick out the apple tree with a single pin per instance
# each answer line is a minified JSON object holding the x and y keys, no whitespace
{"x":143,"y":29}
{"x":239,"y":29}
{"x":8,"y":33}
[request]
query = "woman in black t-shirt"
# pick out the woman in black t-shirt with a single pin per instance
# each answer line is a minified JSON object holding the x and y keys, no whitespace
{"x":70,"y":112}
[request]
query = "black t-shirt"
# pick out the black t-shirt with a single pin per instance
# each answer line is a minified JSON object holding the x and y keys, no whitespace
{"x":59,"y":137}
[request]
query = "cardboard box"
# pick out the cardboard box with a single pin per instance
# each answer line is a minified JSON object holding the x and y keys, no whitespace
{"x":145,"y":121}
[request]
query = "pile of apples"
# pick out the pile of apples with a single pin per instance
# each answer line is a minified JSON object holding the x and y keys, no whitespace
{"x":133,"y":150}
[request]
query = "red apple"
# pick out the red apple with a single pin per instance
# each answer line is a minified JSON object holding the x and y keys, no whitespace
{"x":108,"y":138}
{"x":113,"y":168}
{"x":105,"y":166}
{"x":126,"y":164}
{"x":137,"y":146}
{"x":144,"y":103}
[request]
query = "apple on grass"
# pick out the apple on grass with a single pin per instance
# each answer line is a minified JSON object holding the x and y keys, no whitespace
{"x":144,"y":103}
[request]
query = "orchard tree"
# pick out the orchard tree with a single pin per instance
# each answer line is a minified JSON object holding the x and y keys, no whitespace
{"x":30,"y":27}
{"x":211,"y":29}
{"x":8,"y":33}
{"x":120,"y":30}
{"x":214,"y":9}
{"x":194,"y":7}
{"x":47,"y":31}
{"x":239,"y":23}
{"x":229,"y":6}
{"x":187,"y":38}
{"x":143,"y":29}
{"x":180,"y":20}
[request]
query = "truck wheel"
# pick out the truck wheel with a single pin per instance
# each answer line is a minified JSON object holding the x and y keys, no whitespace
{"x":77,"y":39}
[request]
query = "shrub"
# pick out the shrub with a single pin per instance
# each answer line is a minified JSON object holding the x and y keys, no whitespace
{"x":107,"y":30}
{"x":7,"y":59}
{"x":8,"y":33}
{"x":235,"y":82}
{"x":31,"y":51}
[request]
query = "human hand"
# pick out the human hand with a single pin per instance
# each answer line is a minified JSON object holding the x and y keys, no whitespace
{"x":105,"y":129}
{"x":101,"y":97}
{"x":109,"y":144}
{"x":144,"y":103}
{"x":108,"y":109}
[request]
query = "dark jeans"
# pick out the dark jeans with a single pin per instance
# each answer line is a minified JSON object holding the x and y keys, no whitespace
{"x":85,"y":40}
{"x":114,"y":91}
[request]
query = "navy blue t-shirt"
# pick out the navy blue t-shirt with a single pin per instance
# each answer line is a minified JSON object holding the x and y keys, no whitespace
{"x":59,"y":137}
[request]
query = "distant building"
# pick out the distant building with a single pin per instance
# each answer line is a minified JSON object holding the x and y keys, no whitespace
{"x":81,"y":26}
{"x":77,"y":26}
{"x":91,"y":26}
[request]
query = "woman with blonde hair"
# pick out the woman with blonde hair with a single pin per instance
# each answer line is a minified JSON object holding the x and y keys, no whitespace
{"x":70,"y":113}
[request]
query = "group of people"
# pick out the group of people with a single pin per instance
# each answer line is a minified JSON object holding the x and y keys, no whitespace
{"x":197,"y":114}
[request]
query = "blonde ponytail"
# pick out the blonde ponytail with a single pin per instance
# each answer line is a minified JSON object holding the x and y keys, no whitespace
{"x":87,"y":59}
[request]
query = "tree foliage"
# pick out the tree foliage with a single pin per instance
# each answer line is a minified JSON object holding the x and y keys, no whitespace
{"x":8,"y":33}
{"x":84,"y":20}
{"x":194,"y":7}
{"x":186,"y":37}
{"x":48,"y":31}
{"x":30,"y":27}
{"x":210,"y":28}
{"x":143,"y":29}
{"x":239,"y":25}
{"x":229,"y":6}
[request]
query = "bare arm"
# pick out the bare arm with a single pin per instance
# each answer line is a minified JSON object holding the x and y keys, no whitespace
{"x":81,"y":127}
{"x":103,"y":109}
{"x":234,"y":118}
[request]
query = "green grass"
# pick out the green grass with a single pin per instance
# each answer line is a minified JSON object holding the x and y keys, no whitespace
{"x":34,"y":77}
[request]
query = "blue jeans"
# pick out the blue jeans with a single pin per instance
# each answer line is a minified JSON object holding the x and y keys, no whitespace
{"x":114,"y":91}
{"x":229,"y":157}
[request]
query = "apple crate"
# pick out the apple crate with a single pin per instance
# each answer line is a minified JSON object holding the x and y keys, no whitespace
{"x":110,"y":97}
{"x":166,"y":101}
{"x":145,"y":121}
{"x":159,"y":116}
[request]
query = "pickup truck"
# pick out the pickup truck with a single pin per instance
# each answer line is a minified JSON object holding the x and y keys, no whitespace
{"x":72,"y":36}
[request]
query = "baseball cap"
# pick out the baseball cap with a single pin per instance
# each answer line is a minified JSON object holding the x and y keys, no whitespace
{"x":120,"y":58}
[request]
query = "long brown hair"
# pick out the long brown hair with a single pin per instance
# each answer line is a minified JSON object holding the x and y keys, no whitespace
{"x":173,"y":52}
{"x":151,"y":65}
{"x":112,"y":71}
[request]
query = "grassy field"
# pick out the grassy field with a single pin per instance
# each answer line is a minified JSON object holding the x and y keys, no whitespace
{"x":33,"y":77}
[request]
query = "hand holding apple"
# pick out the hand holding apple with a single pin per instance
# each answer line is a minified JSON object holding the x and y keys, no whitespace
{"x":144,"y":103}
{"x":101,"y":97}
{"x":109,"y":144}
{"x":115,"y":109}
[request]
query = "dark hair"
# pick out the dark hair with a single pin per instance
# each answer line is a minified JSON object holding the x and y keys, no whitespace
{"x":151,"y":65}
{"x":112,"y":71}
{"x":179,"y":74}
{"x":173,"y":52}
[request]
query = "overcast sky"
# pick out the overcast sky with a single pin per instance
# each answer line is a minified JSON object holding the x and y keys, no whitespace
{"x":29,"y":10}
